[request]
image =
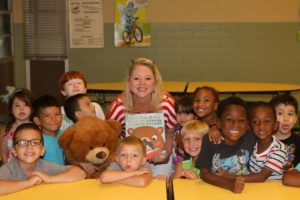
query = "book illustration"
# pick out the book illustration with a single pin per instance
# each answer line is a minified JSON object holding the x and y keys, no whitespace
{"x":152,"y":138}
{"x":149,"y":127}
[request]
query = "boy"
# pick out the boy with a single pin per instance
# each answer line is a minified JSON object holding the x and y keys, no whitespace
{"x":192,"y":134}
{"x":130,"y":167}
{"x":286,"y":107}
{"x":70,"y":84}
{"x":76,"y":107}
{"x":26,"y":169}
{"x":79,"y":106}
{"x":47,"y":116}
{"x":233,"y":153}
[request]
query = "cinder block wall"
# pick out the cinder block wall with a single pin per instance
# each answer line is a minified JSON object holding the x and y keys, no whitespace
{"x":259,"y":52}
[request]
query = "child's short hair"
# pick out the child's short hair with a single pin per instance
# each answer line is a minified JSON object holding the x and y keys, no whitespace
{"x":42,"y":102}
{"x":132,"y":140}
{"x":285,"y":99}
{"x":195,"y":125}
{"x":70,"y":75}
{"x":184,"y":105}
{"x":262,"y":104}
{"x":25,"y":126}
{"x":232,"y":100}
{"x":211,"y":89}
{"x":71,"y":106}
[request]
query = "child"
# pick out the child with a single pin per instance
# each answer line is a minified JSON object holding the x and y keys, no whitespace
{"x":20,"y":109}
{"x":286,"y":107}
{"x":47,"y":116}
{"x":26,"y":169}
{"x":233,"y":153}
{"x":79,"y":106}
{"x":184,"y":114}
{"x":76,"y":107}
{"x":192,"y":134}
{"x":205,"y":104}
{"x":292,"y":177}
{"x":70,"y":84}
{"x":269,"y":155}
{"x":130,"y":168}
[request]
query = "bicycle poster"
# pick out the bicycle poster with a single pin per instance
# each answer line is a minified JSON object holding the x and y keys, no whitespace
{"x":131,"y":27}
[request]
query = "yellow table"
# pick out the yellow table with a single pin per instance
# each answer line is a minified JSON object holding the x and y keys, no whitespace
{"x":90,"y":189}
{"x":245,"y":87}
{"x":101,"y":89}
{"x":269,"y":190}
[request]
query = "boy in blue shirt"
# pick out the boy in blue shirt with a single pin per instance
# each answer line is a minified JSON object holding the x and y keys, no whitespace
{"x":47,"y":115}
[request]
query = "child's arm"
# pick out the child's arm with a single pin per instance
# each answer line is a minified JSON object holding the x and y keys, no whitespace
{"x":3,"y":150}
{"x":235,"y":185}
{"x":184,"y":173}
{"x":137,"y":178}
{"x":72,"y":174}
{"x":9,"y":186}
{"x":291,"y":178}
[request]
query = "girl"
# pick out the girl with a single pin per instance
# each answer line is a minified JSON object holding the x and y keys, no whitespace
{"x":20,"y":109}
{"x":184,"y":114}
{"x":205,"y":104}
{"x":192,"y":134}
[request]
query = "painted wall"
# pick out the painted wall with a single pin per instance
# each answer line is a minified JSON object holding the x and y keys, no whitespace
{"x":205,"y":40}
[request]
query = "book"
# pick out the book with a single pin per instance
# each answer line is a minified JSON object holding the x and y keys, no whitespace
{"x":150,"y":128}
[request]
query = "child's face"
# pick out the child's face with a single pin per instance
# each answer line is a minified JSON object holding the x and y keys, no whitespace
{"x":182,"y":118}
{"x":287,"y":118}
{"x":49,"y":120}
{"x":130,"y":157}
{"x":29,"y":147}
{"x":142,"y":82}
{"x":204,"y":103}
{"x":192,"y":141}
{"x":20,"y":110}
{"x":233,"y":123}
{"x":263,"y":123}
{"x":73,"y":87}
{"x":86,"y":108}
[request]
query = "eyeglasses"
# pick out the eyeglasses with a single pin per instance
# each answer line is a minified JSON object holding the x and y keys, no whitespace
{"x":25,"y":143}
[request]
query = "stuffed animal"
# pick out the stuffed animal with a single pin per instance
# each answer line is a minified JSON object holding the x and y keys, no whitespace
{"x":91,"y":140}
{"x":152,"y":138}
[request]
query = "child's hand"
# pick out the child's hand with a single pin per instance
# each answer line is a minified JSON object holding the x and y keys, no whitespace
{"x":189,"y":174}
{"x":44,"y":177}
{"x":34,"y":180}
{"x":160,"y":158}
{"x":238,"y":185}
{"x":161,"y":177}
{"x":214,"y":135}
{"x":89,"y":168}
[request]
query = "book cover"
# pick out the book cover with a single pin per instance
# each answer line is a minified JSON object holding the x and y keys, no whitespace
{"x":150,"y":128}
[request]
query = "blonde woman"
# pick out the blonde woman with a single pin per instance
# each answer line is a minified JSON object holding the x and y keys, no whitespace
{"x":143,"y":94}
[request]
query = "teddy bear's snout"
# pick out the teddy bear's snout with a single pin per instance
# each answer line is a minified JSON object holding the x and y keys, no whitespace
{"x":101,"y":155}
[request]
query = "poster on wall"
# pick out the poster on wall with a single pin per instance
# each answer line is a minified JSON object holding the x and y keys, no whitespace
{"x":86,"y":24}
{"x":131,"y":27}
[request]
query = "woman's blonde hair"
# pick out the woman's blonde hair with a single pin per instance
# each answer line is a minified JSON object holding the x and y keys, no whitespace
{"x":156,"y":94}
{"x":195,"y":125}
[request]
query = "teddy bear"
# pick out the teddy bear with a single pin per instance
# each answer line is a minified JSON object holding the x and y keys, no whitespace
{"x":91,"y":140}
{"x":152,"y":138}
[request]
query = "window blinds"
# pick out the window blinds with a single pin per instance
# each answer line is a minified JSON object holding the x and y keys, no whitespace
{"x":45,"y":23}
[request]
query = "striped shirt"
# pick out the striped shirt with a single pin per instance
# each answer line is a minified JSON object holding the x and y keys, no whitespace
{"x":274,"y":158}
{"x":117,"y":112}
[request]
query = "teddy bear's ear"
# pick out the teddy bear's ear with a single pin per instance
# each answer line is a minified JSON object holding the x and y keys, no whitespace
{"x":115,"y":125}
{"x":66,"y":138}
